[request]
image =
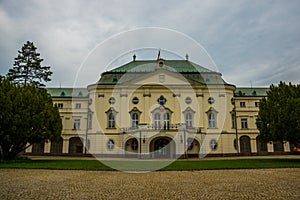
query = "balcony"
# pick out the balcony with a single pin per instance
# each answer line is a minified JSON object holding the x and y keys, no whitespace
{"x":158,"y":127}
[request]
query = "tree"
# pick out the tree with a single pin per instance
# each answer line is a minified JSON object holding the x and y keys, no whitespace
{"x":27,"y":116}
{"x":27,"y":68}
{"x":279,"y":114}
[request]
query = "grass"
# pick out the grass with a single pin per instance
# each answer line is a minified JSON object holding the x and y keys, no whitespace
{"x":142,"y":165}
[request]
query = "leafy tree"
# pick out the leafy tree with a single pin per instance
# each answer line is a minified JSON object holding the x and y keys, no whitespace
{"x":27,"y":68}
{"x":27,"y":116}
{"x":279,"y":114}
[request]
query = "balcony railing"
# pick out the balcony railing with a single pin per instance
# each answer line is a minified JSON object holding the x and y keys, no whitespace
{"x":155,"y":127}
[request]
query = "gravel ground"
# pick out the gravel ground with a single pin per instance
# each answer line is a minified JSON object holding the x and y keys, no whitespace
{"x":210,"y":184}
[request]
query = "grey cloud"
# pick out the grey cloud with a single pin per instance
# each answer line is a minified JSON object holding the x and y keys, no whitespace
{"x":248,"y":40}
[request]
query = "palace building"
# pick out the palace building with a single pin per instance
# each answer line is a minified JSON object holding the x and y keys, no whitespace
{"x":159,"y":109}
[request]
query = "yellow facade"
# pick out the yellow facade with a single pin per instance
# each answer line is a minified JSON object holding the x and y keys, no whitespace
{"x":163,"y":113}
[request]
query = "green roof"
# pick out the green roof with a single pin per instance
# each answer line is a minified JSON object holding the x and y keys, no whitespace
{"x":67,"y":92}
{"x":260,"y":92}
{"x":135,"y":69}
{"x":150,"y":66}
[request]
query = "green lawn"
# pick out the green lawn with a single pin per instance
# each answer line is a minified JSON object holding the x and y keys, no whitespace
{"x":145,"y":165}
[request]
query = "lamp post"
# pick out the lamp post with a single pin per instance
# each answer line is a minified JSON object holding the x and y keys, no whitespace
{"x":184,"y":144}
{"x":88,"y":125}
{"x":140,"y":144}
{"x":235,"y":125}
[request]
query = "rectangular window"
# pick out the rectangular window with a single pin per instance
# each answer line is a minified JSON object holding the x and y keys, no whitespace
{"x":60,"y":105}
{"x":244,"y":123}
{"x":256,"y":104}
{"x":212,"y":120}
{"x":157,"y":121}
{"x":233,"y":120}
{"x":188,"y":120}
{"x":90,"y":121}
{"x":111,"y":120}
{"x":166,"y":121}
{"x":135,"y":120}
{"x":242,"y":104}
{"x":76,"y":124}
{"x":78,"y":105}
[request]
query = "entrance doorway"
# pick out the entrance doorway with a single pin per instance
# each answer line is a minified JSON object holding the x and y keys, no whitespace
{"x":245,"y":147}
{"x":162,"y":147}
{"x":75,"y":145}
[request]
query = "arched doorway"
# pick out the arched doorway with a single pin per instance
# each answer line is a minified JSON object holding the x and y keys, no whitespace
{"x":245,"y":147}
{"x":132,"y":147}
{"x":75,"y":145}
{"x":56,"y":147}
{"x":278,"y":147}
{"x":162,"y":147}
{"x":262,"y":147}
{"x":193,"y":147}
{"x":38,"y":148}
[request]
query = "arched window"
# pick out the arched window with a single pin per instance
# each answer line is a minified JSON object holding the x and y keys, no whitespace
{"x":111,"y":121}
{"x":156,"y":121}
{"x":75,"y":145}
{"x":212,"y":118}
{"x":188,"y":117}
{"x":213,"y":144}
{"x":245,"y":145}
{"x":161,"y":118}
{"x":188,"y":120}
{"x":166,"y":121}
{"x":135,"y":115}
{"x":135,"y":120}
{"x":56,"y":146}
{"x":233,"y":125}
{"x":110,"y":144}
{"x":111,"y":118}
{"x":38,"y":148}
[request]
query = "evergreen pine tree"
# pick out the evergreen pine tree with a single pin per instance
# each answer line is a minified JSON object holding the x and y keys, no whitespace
{"x":27,"y":68}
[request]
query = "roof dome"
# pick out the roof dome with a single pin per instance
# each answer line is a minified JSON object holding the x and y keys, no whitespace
{"x":136,"y":68}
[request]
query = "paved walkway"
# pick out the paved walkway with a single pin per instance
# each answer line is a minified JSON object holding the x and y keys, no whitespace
{"x":210,"y":184}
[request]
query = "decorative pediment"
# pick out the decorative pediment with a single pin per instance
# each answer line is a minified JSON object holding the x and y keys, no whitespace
{"x":189,"y":110}
{"x":162,"y":109}
{"x":159,"y":77}
{"x":111,"y":110}
{"x":135,"y":110}
{"x":211,"y":109}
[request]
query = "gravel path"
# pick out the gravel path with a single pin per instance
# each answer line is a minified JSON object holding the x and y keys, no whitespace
{"x":210,"y":184}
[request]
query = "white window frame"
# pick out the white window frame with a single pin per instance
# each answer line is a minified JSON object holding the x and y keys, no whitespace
{"x":166,"y":121}
{"x":233,"y":124}
{"x":242,"y":104}
{"x":212,"y":118}
{"x":111,"y":115}
{"x":90,"y":120}
{"x":161,"y":118}
{"x":157,"y":123}
{"x":189,"y":120}
{"x":189,"y":117}
{"x":111,"y":120}
{"x":76,"y":124}
{"x":244,"y":123}
{"x":135,"y":120}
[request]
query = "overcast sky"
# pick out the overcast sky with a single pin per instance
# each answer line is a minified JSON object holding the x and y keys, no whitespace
{"x":257,"y":41}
